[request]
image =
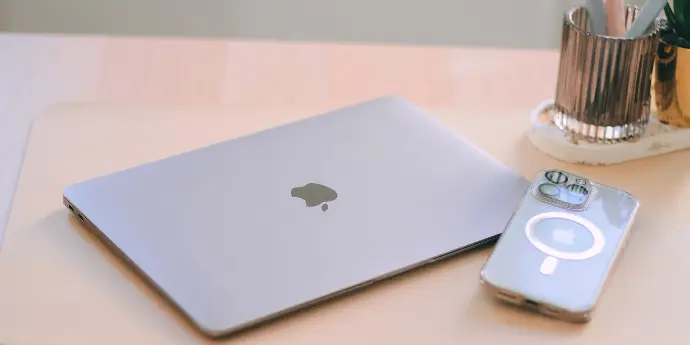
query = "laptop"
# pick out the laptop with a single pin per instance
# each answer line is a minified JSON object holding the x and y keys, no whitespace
{"x":243,"y":231}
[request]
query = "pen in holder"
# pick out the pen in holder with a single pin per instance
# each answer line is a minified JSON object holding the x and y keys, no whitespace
{"x":603,"y":89}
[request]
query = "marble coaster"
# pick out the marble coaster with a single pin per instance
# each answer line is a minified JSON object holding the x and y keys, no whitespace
{"x":657,"y":140}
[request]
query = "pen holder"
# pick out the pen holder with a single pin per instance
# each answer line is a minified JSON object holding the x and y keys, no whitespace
{"x":601,"y":112}
{"x":603,"y":89}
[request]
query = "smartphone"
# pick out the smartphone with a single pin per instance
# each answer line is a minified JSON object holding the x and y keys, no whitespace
{"x":560,"y":245}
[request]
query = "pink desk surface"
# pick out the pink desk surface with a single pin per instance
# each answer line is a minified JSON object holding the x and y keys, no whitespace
{"x":49,"y":279}
{"x":38,"y":71}
{"x":60,"y":287}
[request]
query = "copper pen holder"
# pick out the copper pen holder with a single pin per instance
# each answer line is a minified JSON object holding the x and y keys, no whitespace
{"x":603,"y":89}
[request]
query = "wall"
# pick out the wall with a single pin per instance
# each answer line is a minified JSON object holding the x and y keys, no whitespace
{"x":511,"y":23}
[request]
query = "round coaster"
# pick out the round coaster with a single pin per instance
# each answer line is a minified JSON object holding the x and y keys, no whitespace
{"x":658,"y":139}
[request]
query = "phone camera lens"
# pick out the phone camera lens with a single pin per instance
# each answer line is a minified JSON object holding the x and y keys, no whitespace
{"x":549,"y":189}
{"x":556,"y":177}
{"x":578,"y":190}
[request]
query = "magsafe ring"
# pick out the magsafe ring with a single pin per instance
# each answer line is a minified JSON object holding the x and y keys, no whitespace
{"x":598,"y":236}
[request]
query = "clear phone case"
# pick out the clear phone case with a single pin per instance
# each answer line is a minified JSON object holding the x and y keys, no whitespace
{"x":560,"y":245}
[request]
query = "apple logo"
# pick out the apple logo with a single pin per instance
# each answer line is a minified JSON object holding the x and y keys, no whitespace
{"x":565,"y":236}
{"x":315,"y":194}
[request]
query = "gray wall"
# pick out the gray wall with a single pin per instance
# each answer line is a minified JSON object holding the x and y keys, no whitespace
{"x":511,"y":23}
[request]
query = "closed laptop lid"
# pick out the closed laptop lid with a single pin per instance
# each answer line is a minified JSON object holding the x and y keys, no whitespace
{"x":248,"y":229}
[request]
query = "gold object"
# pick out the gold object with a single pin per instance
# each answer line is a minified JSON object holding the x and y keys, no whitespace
{"x":671,"y":85}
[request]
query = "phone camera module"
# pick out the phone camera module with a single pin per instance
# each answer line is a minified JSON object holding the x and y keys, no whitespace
{"x":557,"y":177}
{"x":549,"y":189}
{"x":578,"y":190}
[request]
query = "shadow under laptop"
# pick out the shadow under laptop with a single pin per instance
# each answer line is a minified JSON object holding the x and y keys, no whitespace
{"x":83,"y":245}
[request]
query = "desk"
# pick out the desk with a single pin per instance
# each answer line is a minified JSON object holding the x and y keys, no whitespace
{"x":37,"y":71}
{"x":58,"y":286}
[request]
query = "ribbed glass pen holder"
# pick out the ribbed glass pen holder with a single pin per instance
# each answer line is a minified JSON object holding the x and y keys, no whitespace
{"x":603,"y":89}
{"x":601,"y":112}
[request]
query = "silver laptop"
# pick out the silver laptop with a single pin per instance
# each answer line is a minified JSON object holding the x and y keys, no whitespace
{"x":246,"y":230}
